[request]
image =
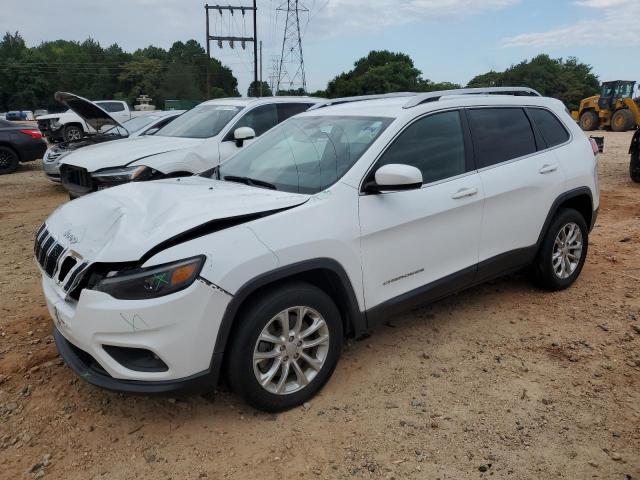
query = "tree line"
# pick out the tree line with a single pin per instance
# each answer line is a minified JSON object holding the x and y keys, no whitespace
{"x":30,"y":75}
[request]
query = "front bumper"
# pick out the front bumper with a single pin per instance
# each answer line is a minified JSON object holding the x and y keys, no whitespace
{"x":85,"y":366}
{"x":180,"y":329}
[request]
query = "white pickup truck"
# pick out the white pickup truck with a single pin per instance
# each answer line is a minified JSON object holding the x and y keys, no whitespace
{"x":70,"y":126}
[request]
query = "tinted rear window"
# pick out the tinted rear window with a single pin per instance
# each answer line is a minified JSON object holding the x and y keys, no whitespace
{"x":111,"y":106}
{"x":500,"y":134}
{"x":286,"y":110}
{"x":549,"y":126}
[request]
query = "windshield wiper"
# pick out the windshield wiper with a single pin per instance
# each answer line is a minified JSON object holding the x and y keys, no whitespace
{"x":250,"y":181}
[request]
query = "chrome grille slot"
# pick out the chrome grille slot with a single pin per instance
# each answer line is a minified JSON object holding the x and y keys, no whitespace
{"x":52,"y":259}
{"x":74,"y":278}
{"x":65,"y":267}
{"x":48,"y":243}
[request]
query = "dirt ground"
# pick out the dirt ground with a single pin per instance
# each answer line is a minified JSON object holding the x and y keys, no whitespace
{"x":502,"y":380}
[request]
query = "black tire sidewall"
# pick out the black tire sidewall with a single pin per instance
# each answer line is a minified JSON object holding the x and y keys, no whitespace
{"x":634,"y":167}
{"x":545,"y":275}
{"x":13,"y":165}
{"x":251,"y":322}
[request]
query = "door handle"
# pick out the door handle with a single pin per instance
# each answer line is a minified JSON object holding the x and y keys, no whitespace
{"x":546,"y":168}
{"x":464,"y":192}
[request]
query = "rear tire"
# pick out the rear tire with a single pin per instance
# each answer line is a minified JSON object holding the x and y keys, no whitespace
{"x":563,"y":251}
{"x":589,"y":121}
{"x":622,"y":120}
{"x":8,"y":160}
{"x":256,"y":368}
{"x":72,"y":132}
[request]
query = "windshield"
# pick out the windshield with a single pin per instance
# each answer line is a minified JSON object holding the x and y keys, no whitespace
{"x":305,"y":154}
{"x":203,"y":121}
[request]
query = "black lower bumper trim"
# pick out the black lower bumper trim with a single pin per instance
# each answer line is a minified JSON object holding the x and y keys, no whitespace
{"x":84,"y":365}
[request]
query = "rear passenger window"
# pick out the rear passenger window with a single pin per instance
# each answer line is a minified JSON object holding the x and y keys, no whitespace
{"x":112,"y":106}
{"x":433,"y":144}
{"x":286,"y":110}
{"x":500,"y":134}
{"x":549,"y":126}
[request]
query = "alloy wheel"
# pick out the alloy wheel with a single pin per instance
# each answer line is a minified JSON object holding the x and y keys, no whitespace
{"x":291,"y":350}
{"x":6,"y":159}
{"x":567,"y":250}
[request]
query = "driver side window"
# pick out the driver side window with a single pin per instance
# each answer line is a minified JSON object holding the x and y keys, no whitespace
{"x":433,"y":144}
{"x":261,"y":119}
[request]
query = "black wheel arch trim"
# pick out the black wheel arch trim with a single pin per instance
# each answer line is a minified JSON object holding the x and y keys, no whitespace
{"x":357,"y":318}
{"x":576,"y":192}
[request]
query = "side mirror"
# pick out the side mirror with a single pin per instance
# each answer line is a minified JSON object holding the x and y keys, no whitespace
{"x":395,"y":177}
{"x":152,"y":131}
{"x":243,"y":133}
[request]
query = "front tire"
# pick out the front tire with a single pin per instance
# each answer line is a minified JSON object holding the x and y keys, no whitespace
{"x":8,"y":160}
{"x":622,"y":120}
{"x":285,"y":348}
{"x":72,"y":132}
{"x":563,"y":251}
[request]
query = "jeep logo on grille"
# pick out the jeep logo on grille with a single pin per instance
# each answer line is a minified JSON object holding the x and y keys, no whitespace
{"x":71,"y":237}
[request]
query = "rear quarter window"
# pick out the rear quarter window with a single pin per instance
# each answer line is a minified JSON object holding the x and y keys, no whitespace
{"x":552,"y":130}
{"x":500,"y":134}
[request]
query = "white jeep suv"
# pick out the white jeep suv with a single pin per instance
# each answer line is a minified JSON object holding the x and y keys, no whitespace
{"x":327,"y":224}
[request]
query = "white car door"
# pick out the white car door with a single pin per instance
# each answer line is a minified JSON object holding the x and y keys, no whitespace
{"x":521,"y":178}
{"x":425,"y":240}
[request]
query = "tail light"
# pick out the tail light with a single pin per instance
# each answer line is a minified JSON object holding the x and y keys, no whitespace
{"x":32,"y":132}
{"x":597,"y":144}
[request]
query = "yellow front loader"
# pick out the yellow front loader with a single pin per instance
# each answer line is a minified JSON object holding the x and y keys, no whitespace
{"x":614,"y":108}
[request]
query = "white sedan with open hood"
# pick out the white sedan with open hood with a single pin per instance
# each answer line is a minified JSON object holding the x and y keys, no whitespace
{"x":198,"y":140}
{"x":104,"y":126}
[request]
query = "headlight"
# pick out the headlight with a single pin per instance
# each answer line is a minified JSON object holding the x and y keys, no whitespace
{"x":124,"y":174}
{"x":152,"y":282}
{"x":55,"y":124}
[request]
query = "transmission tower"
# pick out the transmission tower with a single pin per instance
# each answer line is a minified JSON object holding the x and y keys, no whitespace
{"x":291,"y":67}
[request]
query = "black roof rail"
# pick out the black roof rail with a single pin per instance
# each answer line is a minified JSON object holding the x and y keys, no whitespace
{"x":435,"y":96}
{"x":360,"y":98}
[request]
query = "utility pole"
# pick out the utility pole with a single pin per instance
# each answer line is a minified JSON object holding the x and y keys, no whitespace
{"x":230,"y":37}
{"x":260,"y":95}
{"x":255,"y":43}
{"x":206,"y":9}
{"x":291,"y":68}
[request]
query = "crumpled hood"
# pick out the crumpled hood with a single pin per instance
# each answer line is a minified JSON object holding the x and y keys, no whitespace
{"x":123,"y":223}
{"x":125,"y":151}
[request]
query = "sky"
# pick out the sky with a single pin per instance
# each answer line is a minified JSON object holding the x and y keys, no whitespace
{"x":449,"y":40}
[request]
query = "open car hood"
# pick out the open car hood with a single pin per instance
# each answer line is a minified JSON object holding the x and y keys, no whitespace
{"x":91,"y":113}
{"x":126,"y":223}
